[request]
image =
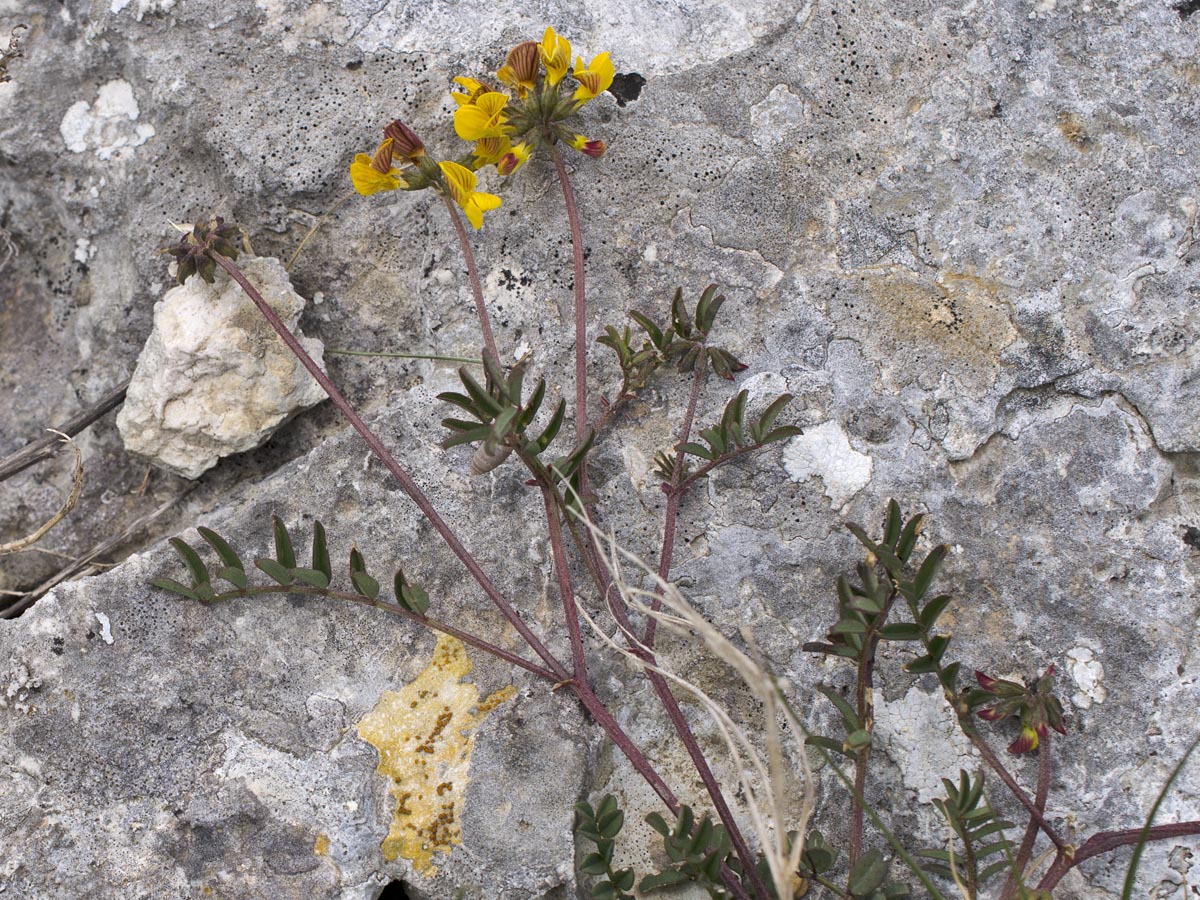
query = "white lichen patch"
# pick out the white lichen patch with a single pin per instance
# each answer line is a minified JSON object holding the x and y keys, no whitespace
{"x":16,"y":684}
{"x":105,"y":627}
{"x":824,"y":451}
{"x":108,"y":125}
{"x":919,"y":733}
{"x":141,"y":8}
{"x":777,"y":116}
{"x":425,"y":737}
{"x":1087,"y":672}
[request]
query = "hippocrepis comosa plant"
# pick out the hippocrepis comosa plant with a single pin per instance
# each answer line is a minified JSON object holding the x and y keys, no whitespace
{"x":533,"y":111}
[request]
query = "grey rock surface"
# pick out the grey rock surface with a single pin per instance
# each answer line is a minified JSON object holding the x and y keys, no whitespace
{"x":964,"y":236}
{"x":214,"y":379}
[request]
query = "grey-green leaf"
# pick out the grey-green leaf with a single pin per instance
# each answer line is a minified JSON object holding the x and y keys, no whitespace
{"x":284,"y":554}
{"x":192,"y":560}
{"x":274,"y":570}
{"x":320,"y":553}
{"x":227,"y":554}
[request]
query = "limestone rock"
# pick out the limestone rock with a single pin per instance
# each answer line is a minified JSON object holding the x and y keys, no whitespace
{"x":214,"y":378}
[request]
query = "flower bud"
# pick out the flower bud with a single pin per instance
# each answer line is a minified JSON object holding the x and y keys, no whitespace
{"x":405,"y":142}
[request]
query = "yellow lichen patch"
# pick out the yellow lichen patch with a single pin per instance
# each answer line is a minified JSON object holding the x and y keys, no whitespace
{"x":425,"y":736}
{"x":958,"y":316}
{"x":321,"y":845}
{"x":1075,"y":130}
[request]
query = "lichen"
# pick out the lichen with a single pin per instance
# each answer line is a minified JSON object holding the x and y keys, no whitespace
{"x":425,"y":737}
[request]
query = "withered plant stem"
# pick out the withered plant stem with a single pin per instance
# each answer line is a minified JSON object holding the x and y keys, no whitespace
{"x":48,"y":445}
{"x":674,"y":497}
{"x":464,"y":241}
{"x":399,"y":472}
{"x":580,"y":294}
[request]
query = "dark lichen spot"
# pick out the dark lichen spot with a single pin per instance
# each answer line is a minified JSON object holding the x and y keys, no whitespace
{"x":1191,"y":537}
{"x":1186,"y":7}
{"x":354,"y":65}
{"x":627,"y":87}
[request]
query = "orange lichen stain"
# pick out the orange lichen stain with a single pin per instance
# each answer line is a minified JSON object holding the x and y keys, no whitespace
{"x":425,"y":734}
{"x":1074,"y":129}
{"x":960,"y":315}
{"x":321,"y":845}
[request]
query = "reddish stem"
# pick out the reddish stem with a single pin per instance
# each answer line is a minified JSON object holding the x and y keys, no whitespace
{"x":674,"y":496}
{"x":465,"y":636}
{"x":1025,"y":851}
{"x":489,"y":342}
{"x":1011,"y":783}
{"x":570,"y":613}
{"x":1111,"y":840}
{"x":406,"y":482}
{"x":580,"y":295}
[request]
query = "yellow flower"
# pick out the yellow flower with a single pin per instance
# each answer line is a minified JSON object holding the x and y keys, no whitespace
{"x":514,"y":159}
{"x":594,"y":79}
{"x":491,"y":150}
{"x":555,"y":52}
{"x":461,"y":182}
{"x":474,"y":89}
{"x":594,"y":149}
{"x":482,"y":118}
{"x":520,"y":69}
{"x":372,"y":174}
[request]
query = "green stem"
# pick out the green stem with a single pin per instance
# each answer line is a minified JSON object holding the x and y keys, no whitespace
{"x":674,"y":498}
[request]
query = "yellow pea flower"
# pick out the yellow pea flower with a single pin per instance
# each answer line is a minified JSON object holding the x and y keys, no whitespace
{"x":514,"y":159}
{"x":483,"y":118}
{"x":474,"y":88}
{"x":461,"y":181}
{"x":520,"y":69}
{"x":491,"y":150}
{"x":372,"y":174}
{"x":594,"y":79}
{"x":555,"y":52}
{"x":594,"y":149}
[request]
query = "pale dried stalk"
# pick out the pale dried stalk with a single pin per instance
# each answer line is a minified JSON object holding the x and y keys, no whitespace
{"x":768,"y":809}
{"x":76,"y":490}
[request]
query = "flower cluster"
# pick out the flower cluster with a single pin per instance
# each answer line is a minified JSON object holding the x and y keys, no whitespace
{"x":193,"y":252}
{"x":1034,"y":705}
{"x":505,"y":129}
{"x":508,"y":128}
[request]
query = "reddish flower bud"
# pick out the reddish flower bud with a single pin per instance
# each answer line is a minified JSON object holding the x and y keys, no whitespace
{"x":985,"y":681}
{"x":405,"y":141}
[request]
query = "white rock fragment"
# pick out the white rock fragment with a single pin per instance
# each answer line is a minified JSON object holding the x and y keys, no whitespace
{"x":214,"y":378}
{"x":824,"y":450}
{"x":1087,"y":672}
{"x":106,"y":126}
